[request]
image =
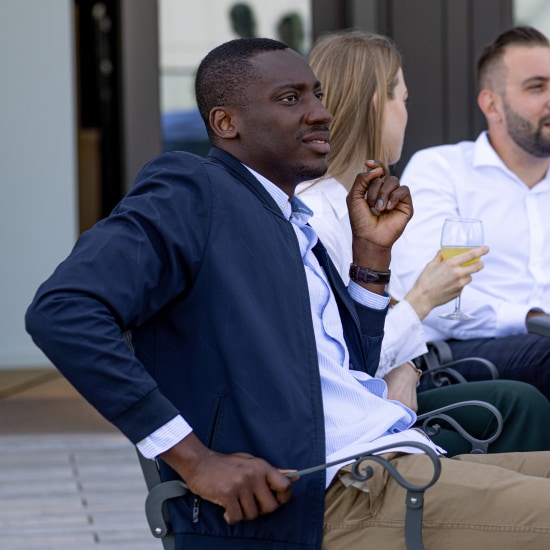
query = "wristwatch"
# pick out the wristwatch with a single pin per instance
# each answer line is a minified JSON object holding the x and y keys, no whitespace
{"x":366,"y":275}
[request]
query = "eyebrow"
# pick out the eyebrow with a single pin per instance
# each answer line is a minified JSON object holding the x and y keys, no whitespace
{"x":296,"y":86}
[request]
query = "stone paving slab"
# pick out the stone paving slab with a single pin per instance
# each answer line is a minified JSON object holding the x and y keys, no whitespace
{"x":72,"y":492}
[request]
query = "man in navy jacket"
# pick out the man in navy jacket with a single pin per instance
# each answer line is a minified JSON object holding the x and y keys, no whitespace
{"x":251,"y":357}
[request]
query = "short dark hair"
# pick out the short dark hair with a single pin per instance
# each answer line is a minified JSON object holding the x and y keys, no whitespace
{"x":223,"y":74}
{"x":492,"y":53}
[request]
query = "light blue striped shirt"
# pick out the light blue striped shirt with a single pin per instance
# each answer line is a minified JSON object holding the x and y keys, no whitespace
{"x":358,"y":417}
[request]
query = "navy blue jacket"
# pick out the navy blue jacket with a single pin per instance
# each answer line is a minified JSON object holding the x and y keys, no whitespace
{"x":200,"y":264}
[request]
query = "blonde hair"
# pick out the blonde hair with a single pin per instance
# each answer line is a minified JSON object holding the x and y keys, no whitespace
{"x":354,"y":67}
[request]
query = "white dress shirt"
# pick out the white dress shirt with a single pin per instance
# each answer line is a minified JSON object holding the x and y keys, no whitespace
{"x":469,"y":180}
{"x":357,"y":415}
{"x":403,"y":334}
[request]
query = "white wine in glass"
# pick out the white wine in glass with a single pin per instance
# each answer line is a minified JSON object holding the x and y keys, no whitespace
{"x":460,"y":235}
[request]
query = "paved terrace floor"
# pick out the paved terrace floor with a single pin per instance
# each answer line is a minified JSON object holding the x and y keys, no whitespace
{"x":68,"y":480}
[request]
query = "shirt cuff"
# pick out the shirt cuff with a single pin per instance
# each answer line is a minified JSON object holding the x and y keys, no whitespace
{"x":511,"y":319}
{"x":404,"y":338}
{"x":164,"y":438}
{"x":366,"y":297}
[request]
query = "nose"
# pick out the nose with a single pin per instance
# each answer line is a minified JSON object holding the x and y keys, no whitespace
{"x":318,"y":113}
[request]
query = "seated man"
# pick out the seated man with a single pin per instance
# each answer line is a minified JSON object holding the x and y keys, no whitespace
{"x":361,"y":74}
{"x":250,"y":352}
{"x":502,"y":179}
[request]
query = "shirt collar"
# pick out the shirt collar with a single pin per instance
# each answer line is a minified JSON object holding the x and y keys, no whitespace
{"x":485,"y":155}
{"x":288,"y":207}
{"x":336,"y":194}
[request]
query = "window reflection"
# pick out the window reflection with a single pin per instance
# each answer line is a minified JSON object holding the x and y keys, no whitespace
{"x":189,"y":30}
{"x":535,"y":13}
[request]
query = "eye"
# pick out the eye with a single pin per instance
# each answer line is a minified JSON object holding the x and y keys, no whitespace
{"x":320,"y":95}
{"x":290,"y":98}
{"x":536,"y":87}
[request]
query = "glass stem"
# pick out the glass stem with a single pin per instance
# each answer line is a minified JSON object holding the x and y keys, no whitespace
{"x":457,"y":304}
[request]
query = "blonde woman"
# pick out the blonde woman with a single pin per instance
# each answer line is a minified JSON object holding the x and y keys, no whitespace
{"x":364,"y":88}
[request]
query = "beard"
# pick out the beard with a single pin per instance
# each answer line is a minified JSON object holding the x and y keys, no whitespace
{"x":522,"y":132}
{"x":306,"y":173}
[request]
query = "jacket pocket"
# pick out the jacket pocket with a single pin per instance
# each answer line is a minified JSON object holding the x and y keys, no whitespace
{"x":214,"y":423}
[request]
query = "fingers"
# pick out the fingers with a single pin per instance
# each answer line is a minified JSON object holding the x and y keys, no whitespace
{"x":375,"y":188}
{"x":364,"y":181}
{"x":471,"y":258}
{"x":246,"y":487}
{"x":379,"y":185}
{"x":383,"y":193}
{"x":381,"y":190}
{"x":379,"y":210}
{"x":280,"y":487}
{"x":260,"y":498}
{"x":233,"y":511}
{"x":253,"y":503}
{"x":292,"y":478}
{"x":373,"y":164}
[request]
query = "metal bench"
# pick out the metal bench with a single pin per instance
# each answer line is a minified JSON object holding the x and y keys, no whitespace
{"x":162,"y":491}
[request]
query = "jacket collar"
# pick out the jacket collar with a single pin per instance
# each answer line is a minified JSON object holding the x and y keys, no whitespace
{"x":244,"y":176}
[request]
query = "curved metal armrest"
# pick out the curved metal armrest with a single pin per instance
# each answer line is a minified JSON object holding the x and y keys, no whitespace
{"x":164,"y":491}
{"x":493,"y":371}
{"x":447,"y":373}
{"x":439,"y":364}
{"x":479,"y":446}
{"x":539,"y":325}
{"x":374,"y":455}
{"x":415,"y":493}
{"x":154,"y":505}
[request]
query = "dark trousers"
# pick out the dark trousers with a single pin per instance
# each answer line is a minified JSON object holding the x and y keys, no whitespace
{"x":524,"y":357}
{"x":525,"y":412}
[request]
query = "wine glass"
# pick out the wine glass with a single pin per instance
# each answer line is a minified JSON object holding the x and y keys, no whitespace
{"x":458,"y":236}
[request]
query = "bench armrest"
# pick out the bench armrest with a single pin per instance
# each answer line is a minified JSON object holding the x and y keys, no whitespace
{"x":163,"y":491}
{"x":539,"y":325}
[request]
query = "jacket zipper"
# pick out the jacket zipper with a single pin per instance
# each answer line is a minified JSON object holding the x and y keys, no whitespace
{"x":197,"y":501}
{"x":196,"y":504}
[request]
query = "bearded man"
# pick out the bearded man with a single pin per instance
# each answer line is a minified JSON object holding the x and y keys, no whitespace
{"x":501,"y":178}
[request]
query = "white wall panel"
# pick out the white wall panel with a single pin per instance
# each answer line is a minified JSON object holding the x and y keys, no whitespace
{"x":37,"y":160}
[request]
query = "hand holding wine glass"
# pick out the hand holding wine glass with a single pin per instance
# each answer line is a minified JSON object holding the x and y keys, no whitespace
{"x":458,"y":236}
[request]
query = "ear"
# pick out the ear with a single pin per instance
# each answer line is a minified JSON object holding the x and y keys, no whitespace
{"x":222,"y":123}
{"x":490,"y":104}
{"x":375,"y":100}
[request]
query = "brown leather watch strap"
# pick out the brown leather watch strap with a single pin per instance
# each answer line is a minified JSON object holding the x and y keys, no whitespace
{"x":366,"y":275}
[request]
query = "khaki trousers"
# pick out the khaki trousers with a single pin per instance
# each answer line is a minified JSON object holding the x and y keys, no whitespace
{"x":480,"y":502}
